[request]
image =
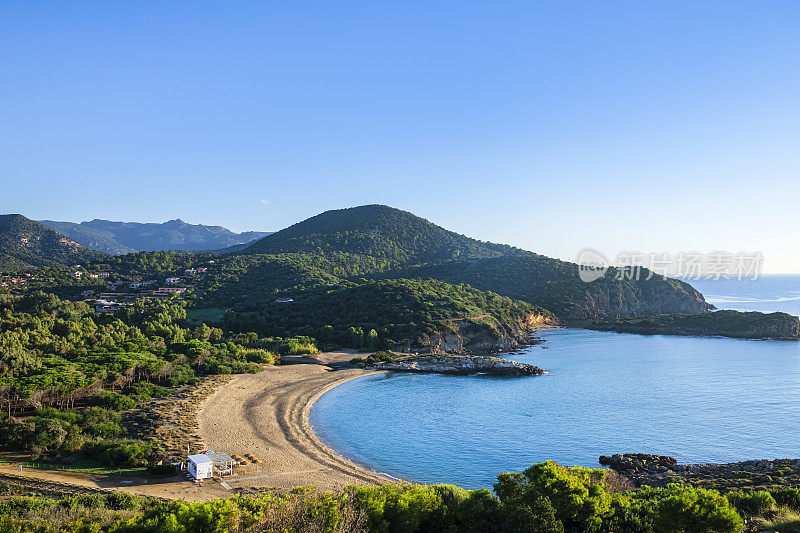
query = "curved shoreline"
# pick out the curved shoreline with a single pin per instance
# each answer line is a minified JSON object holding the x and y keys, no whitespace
{"x":313,"y":434}
{"x":267,"y":415}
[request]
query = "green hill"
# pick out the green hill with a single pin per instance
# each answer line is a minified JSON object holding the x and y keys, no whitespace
{"x":555,"y":285}
{"x":126,"y":237}
{"x":25,"y":244}
{"x":376,"y":231}
{"x":376,"y":241}
{"x":399,"y":314}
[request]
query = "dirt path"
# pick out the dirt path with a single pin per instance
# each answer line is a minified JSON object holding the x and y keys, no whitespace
{"x":266,"y":414}
{"x":173,"y":487}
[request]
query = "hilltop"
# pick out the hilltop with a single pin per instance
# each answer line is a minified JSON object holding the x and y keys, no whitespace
{"x":377,"y":231}
{"x":378,"y":241}
{"x":25,"y":243}
{"x":174,"y":235}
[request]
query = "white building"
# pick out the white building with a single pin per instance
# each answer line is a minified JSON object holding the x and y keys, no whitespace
{"x":200,"y":466}
{"x":205,"y":465}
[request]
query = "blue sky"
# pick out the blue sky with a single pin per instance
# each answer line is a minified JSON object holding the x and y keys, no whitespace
{"x":651,"y":126}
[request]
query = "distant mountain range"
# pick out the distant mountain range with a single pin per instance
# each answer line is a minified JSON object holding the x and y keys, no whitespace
{"x":175,"y":235}
{"x":25,"y":243}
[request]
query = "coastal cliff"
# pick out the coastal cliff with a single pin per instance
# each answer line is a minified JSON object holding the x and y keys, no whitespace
{"x":606,"y":300}
{"x":459,"y":365}
{"x":481,"y":335}
{"x":727,"y":323}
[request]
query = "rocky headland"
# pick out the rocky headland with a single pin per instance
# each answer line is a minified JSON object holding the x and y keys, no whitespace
{"x":659,"y":470}
{"x":616,"y":295}
{"x":726,"y":323}
{"x":459,"y":365}
{"x":481,"y":335}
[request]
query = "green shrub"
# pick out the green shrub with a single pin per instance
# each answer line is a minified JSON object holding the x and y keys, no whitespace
{"x":124,"y":501}
{"x":681,"y":509}
{"x":258,"y":355}
{"x":577,"y":496}
{"x":787,"y":497}
{"x":163,"y":469}
{"x":131,"y":453}
{"x":753,"y":502}
{"x":479,"y":511}
{"x":406,"y":507}
{"x":112,"y":400}
{"x":144,"y":390}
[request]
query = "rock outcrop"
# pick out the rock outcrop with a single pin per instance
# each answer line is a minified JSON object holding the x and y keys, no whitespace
{"x":460,"y":365}
{"x":605,"y":298}
{"x":660,"y":470}
{"x":470,"y":336}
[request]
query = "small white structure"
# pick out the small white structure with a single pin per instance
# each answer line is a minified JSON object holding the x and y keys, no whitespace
{"x":200,"y":466}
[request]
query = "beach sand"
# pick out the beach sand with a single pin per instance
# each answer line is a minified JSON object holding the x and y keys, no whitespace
{"x":266,"y":414}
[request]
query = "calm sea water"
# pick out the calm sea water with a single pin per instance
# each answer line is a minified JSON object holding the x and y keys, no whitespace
{"x":697,"y":399}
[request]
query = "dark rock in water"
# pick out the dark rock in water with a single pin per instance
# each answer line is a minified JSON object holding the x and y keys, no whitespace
{"x":637,"y":460}
{"x":460,"y":365}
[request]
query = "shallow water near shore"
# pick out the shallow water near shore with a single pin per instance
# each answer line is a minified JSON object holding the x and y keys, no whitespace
{"x":698,"y":399}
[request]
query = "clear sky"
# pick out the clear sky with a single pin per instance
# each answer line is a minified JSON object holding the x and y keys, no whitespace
{"x":652,"y":126}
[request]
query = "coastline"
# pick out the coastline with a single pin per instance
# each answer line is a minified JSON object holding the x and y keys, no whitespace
{"x":384,"y":477}
{"x":266,"y":414}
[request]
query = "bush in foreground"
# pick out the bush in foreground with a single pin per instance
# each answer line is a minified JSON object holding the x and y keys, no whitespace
{"x":545,"y":498}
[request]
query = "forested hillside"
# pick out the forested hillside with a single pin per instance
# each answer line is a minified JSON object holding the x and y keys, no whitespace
{"x":399,"y":314}
{"x":68,"y":374}
{"x":555,"y":285}
{"x":25,"y":244}
{"x":376,"y":241}
{"x":377,"y":231}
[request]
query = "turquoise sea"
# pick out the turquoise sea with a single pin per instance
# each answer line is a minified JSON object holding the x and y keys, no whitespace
{"x":699,"y":399}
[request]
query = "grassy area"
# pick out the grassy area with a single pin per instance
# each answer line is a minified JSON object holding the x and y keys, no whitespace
{"x":87,"y":467}
{"x":208,"y":314}
{"x":784,"y":521}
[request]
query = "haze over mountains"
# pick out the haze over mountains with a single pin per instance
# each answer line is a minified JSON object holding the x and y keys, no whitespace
{"x":174,"y":235}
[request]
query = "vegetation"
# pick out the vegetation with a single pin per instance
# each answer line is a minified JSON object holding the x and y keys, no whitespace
{"x":67,"y":374}
{"x":545,"y":498}
{"x":377,"y":241}
{"x":384,"y":314}
{"x":377,"y":231}
{"x":381,"y":356}
{"x":25,"y":244}
{"x":725,"y":323}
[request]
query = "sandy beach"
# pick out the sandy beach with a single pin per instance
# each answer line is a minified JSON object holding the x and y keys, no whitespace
{"x":266,"y":414}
